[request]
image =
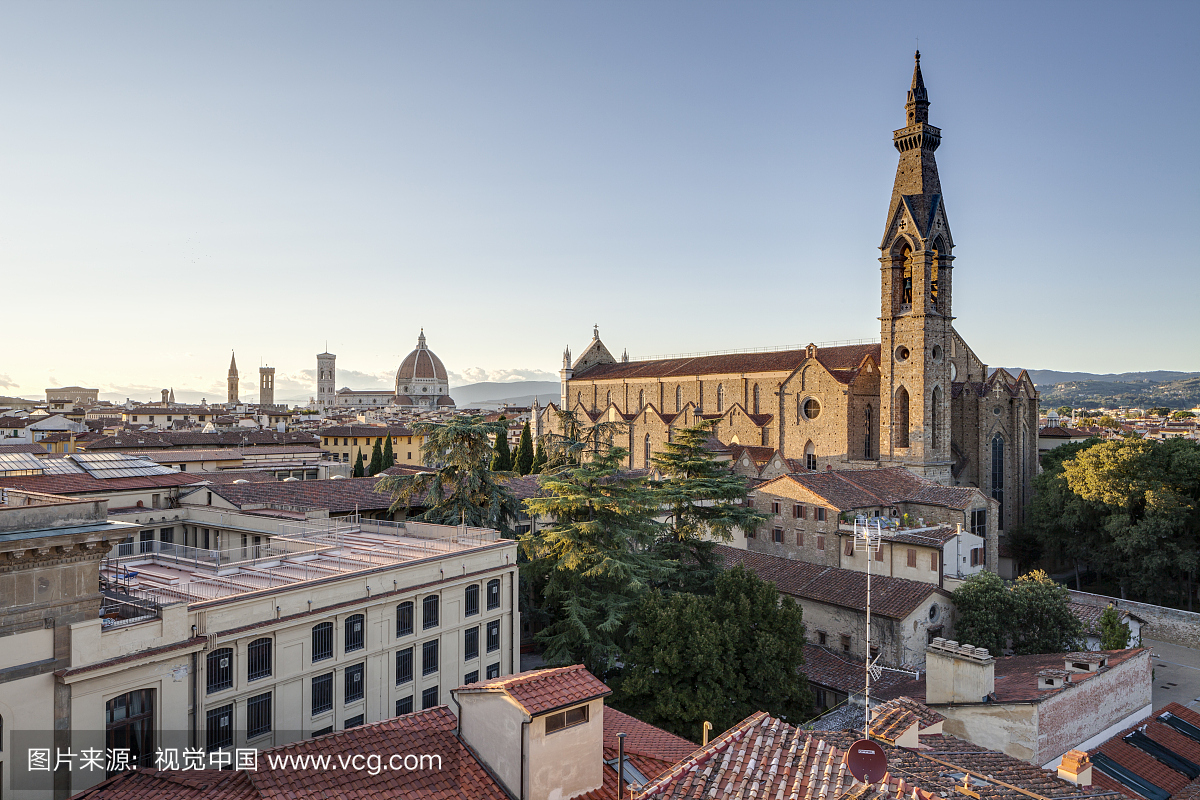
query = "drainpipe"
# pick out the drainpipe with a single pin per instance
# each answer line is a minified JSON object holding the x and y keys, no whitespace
{"x":192,"y":734}
{"x":512,"y":616}
{"x":524,"y":730}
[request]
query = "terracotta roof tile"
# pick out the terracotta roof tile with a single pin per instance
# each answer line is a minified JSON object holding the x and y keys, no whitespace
{"x":542,"y":690}
{"x":843,"y":672}
{"x":840,"y":360}
{"x":79,"y":483}
{"x":1145,"y":765}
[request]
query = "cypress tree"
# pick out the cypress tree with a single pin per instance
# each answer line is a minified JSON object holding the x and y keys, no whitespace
{"x":376,"y":459}
{"x":389,"y":458}
{"x":539,"y":458}
{"x":501,"y":456}
{"x":524,"y":459}
{"x":358,"y":466}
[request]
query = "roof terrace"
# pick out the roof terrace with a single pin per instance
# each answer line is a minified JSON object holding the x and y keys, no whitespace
{"x":164,"y":572}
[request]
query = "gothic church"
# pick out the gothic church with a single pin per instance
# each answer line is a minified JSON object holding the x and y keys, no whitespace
{"x":920,"y":398}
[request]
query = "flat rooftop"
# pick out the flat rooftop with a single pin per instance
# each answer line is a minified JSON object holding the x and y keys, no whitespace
{"x":314,"y":550}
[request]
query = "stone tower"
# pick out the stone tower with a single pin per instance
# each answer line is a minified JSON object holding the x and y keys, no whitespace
{"x":232,"y":398}
{"x":915,"y":319}
{"x":326,"y":380}
{"x":266,"y":386}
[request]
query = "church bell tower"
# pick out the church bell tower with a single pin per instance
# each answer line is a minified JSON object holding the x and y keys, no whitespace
{"x":916,"y":320}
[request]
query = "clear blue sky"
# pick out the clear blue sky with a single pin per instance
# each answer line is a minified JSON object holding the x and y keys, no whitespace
{"x":178,"y":180}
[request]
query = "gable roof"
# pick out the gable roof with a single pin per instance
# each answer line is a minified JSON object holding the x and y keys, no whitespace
{"x":847,"y":489}
{"x":843,"y":361}
{"x":541,"y":691}
{"x":890,"y":597}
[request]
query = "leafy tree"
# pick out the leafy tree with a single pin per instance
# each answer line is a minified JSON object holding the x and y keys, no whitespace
{"x":539,"y":458}
{"x":702,"y":499}
{"x":389,"y":458}
{"x":1114,"y":634}
{"x":1044,"y":623}
{"x":1161,"y":411}
{"x":501,"y":456}
{"x":984,"y":611}
{"x":1182,"y":415}
{"x":718,"y":657}
{"x":595,"y":560}
{"x":524,"y":458}
{"x":462,"y":488}
{"x":1059,"y":523}
{"x":358,"y":470}
{"x":1108,"y":421}
{"x":376,"y":459}
{"x":1064,"y":411}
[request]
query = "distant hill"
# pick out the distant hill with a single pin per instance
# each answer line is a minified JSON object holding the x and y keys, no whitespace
{"x":518,"y":393}
{"x":1174,"y":390}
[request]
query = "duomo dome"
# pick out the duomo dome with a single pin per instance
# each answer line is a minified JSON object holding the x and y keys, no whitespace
{"x":421,"y":380}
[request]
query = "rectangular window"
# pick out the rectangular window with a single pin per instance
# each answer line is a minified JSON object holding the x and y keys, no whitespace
{"x":979,"y":522}
{"x":493,"y":636}
{"x":751,"y":533}
{"x":322,"y":641}
{"x":912,"y":557}
{"x":471,"y":643}
{"x":323,"y":731}
{"x":219,"y":668}
{"x":778,"y":535}
{"x":429,"y":698}
{"x":821,"y":637}
{"x":429,"y":657}
{"x":820,"y":515}
{"x":258,"y":715}
{"x":258,"y":659}
{"x":803,"y":511}
{"x":146,"y":542}
{"x":850,"y":547}
{"x":845,"y":643}
{"x":933,"y":561}
{"x":429,"y":612}
{"x":322,"y":693}
{"x":796,"y":511}
{"x":493,"y":671}
{"x":471,"y":600}
{"x":774,"y":506}
{"x":820,"y":542}
{"x":404,"y":705}
{"x":566,"y":719}
{"x":219,"y":727}
{"x":354,"y":683}
{"x":493,"y":594}
{"x":404,"y":619}
{"x":800,"y":538}
{"x":404,"y":665}
{"x":879,"y":553}
{"x":129,"y":724}
{"x":471,"y":677}
{"x":353,"y":722}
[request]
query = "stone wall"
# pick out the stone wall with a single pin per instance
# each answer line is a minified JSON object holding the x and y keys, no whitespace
{"x":1162,"y":624}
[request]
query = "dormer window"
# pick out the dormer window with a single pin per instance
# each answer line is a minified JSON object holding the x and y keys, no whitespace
{"x":566,"y":719}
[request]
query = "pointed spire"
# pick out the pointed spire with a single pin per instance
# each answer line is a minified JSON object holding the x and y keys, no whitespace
{"x":421,"y":340}
{"x":625,"y":356}
{"x":918,"y":98}
{"x":232,"y":365}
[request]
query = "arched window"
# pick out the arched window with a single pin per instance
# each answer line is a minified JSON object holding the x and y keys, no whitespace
{"x":869,"y":427}
{"x":608,"y":399}
{"x":901,"y":417}
{"x":404,"y":618}
{"x":756,"y":411}
{"x":810,"y":456}
{"x":799,"y":407}
{"x":678,"y":399}
{"x":219,"y":669}
{"x":322,"y":641}
{"x":935,"y":416}
{"x":429,"y":612}
{"x":579,"y":398}
{"x":938,"y":249}
{"x":647,"y":451}
{"x":720,"y":397}
{"x":906,"y":283}
{"x":258,"y":659}
{"x":356,"y":629}
{"x":641,"y":399}
{"x":998,"y":476}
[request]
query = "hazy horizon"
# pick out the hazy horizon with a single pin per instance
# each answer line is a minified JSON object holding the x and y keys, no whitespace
{"x":182,"y":180}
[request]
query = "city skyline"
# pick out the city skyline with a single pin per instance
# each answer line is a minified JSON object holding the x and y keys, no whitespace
{"x":505,"y":179}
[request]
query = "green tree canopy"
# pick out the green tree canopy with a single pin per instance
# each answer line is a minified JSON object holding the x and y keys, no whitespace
{"x":984,"y":612}
{"x":1114,"y":634}
{"x":501,"y":456}
{"x":1108,"y":421}
{"x":524,"y":457}
{"x":1160,"y":411}
{"x":462,"y":488}
{"x":1064,"y":411}
{"x":1044,"y":623}
{"x":376,"y":459}
{"x":1182,"y":415}
{"x":539,"y":458}
{"x":718,"y":657}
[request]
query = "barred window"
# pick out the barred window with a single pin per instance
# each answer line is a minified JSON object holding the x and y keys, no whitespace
{"x":404,"y":665}
{"x":471,"y":677}
{"x":322,"y":641}
{"x":355,"y":633}
{"x":566,"y":719}
{"x":493,"y":670}
{"x":354,"y":722}
{"x":429,"y":697}
{"x":471,"y":600}
{"x":429,"y":612}
{"x":404,"y":705}
{"x":219,"y":669}
{"x":354,"y":683}
{"x":429,"y":657}
{"x":493,"y":594}
{"x":258,"y":715}
{"x":471,"y":643}
{"x":219,"y":727}
{"x":493,"y":636}
{"x":322,"y":693}
{"x":404,"y":619}
{"x":258,"y":659}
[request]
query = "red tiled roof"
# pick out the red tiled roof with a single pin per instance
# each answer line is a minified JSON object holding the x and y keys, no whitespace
{"x":890,"y":597}
{"x":842,"y":361}
{"x":79,"y":483}
{"x":337,"y":496}
{"x":542,"y":690}
{"x":858,"y":488}
{"x":377,"y":431}
{"x":1145,"y":765}
{"x":843,"y":672}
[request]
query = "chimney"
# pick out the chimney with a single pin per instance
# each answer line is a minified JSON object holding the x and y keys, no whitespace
{"x":958,"y":673}
{"x":1076,"y":767}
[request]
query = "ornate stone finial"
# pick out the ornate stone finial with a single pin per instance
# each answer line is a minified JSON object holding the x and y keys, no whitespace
{"x":567,"y":358}
{"x":596,"y":331}
{"x":421,"y":340}
{"x":625,"y":356}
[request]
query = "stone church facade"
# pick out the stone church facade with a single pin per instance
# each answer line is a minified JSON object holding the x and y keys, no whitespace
{"x":920,"y":398}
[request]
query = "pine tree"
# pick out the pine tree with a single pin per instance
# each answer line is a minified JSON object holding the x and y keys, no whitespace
{"x":524,"y":459}
{"x":539,"y":459}
{"x":595,"y":560}
{"x":1114,"y":634}
{"x":358,"y":466}
{"x":376,"y":459}
{"x":501,"y":456}
{"x":389,"y":458}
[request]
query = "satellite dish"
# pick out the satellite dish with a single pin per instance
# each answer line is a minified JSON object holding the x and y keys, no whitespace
{"x":867,"y":761}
